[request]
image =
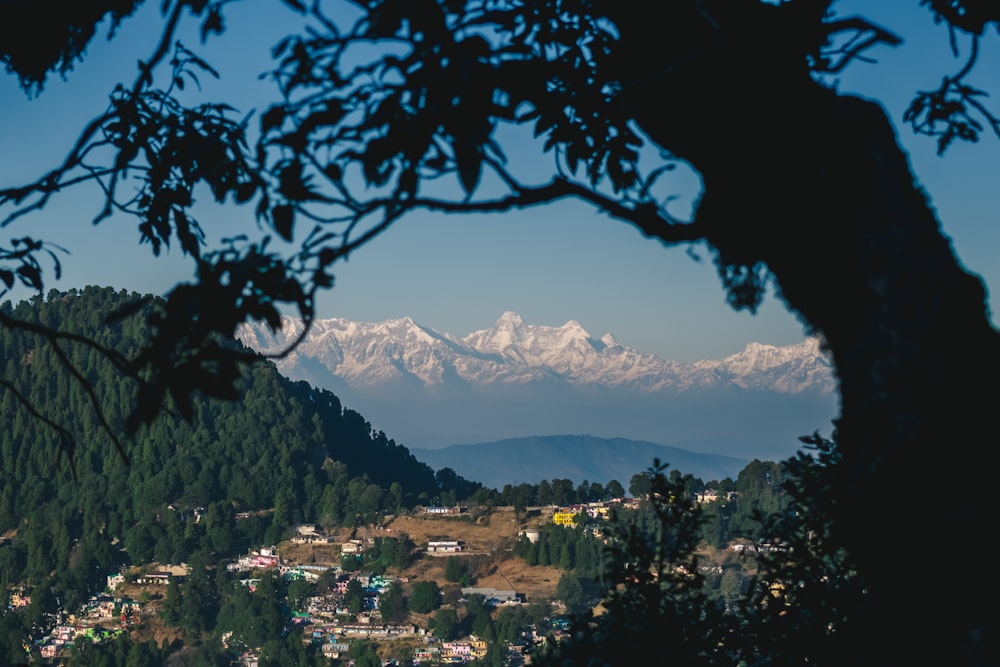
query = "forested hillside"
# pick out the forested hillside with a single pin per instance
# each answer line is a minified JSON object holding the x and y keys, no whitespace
{"x":80,"y":497}
{"x":286,"y":453}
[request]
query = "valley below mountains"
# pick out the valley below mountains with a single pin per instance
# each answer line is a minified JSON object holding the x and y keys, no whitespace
{"x":429,"y":389}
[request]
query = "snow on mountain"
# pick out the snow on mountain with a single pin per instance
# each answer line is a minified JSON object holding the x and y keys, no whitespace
{"x":515,"y":353}
{"x":361,"y":354}
{"x":789,"y":370}
{"x":429,"y":389}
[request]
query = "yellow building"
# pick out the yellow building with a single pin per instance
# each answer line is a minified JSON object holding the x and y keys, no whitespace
{"x":564,"y":518}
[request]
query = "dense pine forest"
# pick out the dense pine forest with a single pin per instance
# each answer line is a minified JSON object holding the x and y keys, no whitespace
{"x":286,"y":453}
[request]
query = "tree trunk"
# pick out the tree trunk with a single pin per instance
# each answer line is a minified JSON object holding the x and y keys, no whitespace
{"x":814,"y":185}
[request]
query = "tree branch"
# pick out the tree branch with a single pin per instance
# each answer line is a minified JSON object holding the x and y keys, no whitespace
{"x":52,"y":182}
{"x":646,"y":217}
{"x":855,"y":46}
{"x":54,"y":337}
{"x":64,"y":434}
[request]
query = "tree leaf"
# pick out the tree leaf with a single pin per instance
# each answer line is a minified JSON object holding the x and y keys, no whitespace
{"x":212,"y":24}
{"x":272,"y":118}
{"x":469,"y":163}
{"x":283,"y":219}
{"x":30,"y":276}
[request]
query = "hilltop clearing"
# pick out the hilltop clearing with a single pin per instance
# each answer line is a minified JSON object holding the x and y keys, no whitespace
{"x":486,"y":540}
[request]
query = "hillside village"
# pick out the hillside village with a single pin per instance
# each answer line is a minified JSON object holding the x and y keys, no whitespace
{"x":286,"y":528}
{"x":135,"y":598}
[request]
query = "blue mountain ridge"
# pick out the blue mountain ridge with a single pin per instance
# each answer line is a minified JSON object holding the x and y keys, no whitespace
{"x":574,"y":457}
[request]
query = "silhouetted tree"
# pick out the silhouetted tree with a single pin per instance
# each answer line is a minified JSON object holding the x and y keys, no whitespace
{"x":653,"y":595}
{"x":740,"y":90}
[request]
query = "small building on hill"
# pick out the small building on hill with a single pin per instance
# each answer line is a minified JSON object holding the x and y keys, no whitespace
{"x":564,"y":518}
{"x":495,"y":596}
{"x":445,"y":510}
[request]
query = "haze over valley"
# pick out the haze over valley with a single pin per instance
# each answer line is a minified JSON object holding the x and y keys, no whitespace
{"x":429,"y":389}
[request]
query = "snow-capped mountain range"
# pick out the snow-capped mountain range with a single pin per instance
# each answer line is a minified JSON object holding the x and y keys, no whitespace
{"x":368,"y":356}
{"x":429,"y":389}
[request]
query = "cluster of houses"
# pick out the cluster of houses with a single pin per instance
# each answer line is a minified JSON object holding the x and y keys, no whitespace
{"x":18,"y":599}
{"x":326,"y":617}
{"x":568,"y":515}
{"x":102,"y":616}
{"x":462,"y":651}
{"x":600,"y":510}
{"x":99,"y":619}
{"x":64,"y":636}
{"x":264,"y":559}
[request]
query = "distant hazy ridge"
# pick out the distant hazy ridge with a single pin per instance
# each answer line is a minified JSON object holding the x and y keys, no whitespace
{"x":573,"y":457}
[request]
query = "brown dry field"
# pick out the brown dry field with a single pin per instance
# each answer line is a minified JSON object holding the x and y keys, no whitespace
{"x":486,"y":542}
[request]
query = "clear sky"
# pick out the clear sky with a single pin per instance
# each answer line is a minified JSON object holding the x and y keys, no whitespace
{"x":458,"y":274}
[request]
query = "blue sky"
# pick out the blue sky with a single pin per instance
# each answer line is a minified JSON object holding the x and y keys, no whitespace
{"x":457,"y":274}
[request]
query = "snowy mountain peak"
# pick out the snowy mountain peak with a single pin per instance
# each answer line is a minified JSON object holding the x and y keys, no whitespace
{"x":512,"y":352}
{"x":510,"y":320}
{"x":757,"y":356}
{"x":790,"y":369}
